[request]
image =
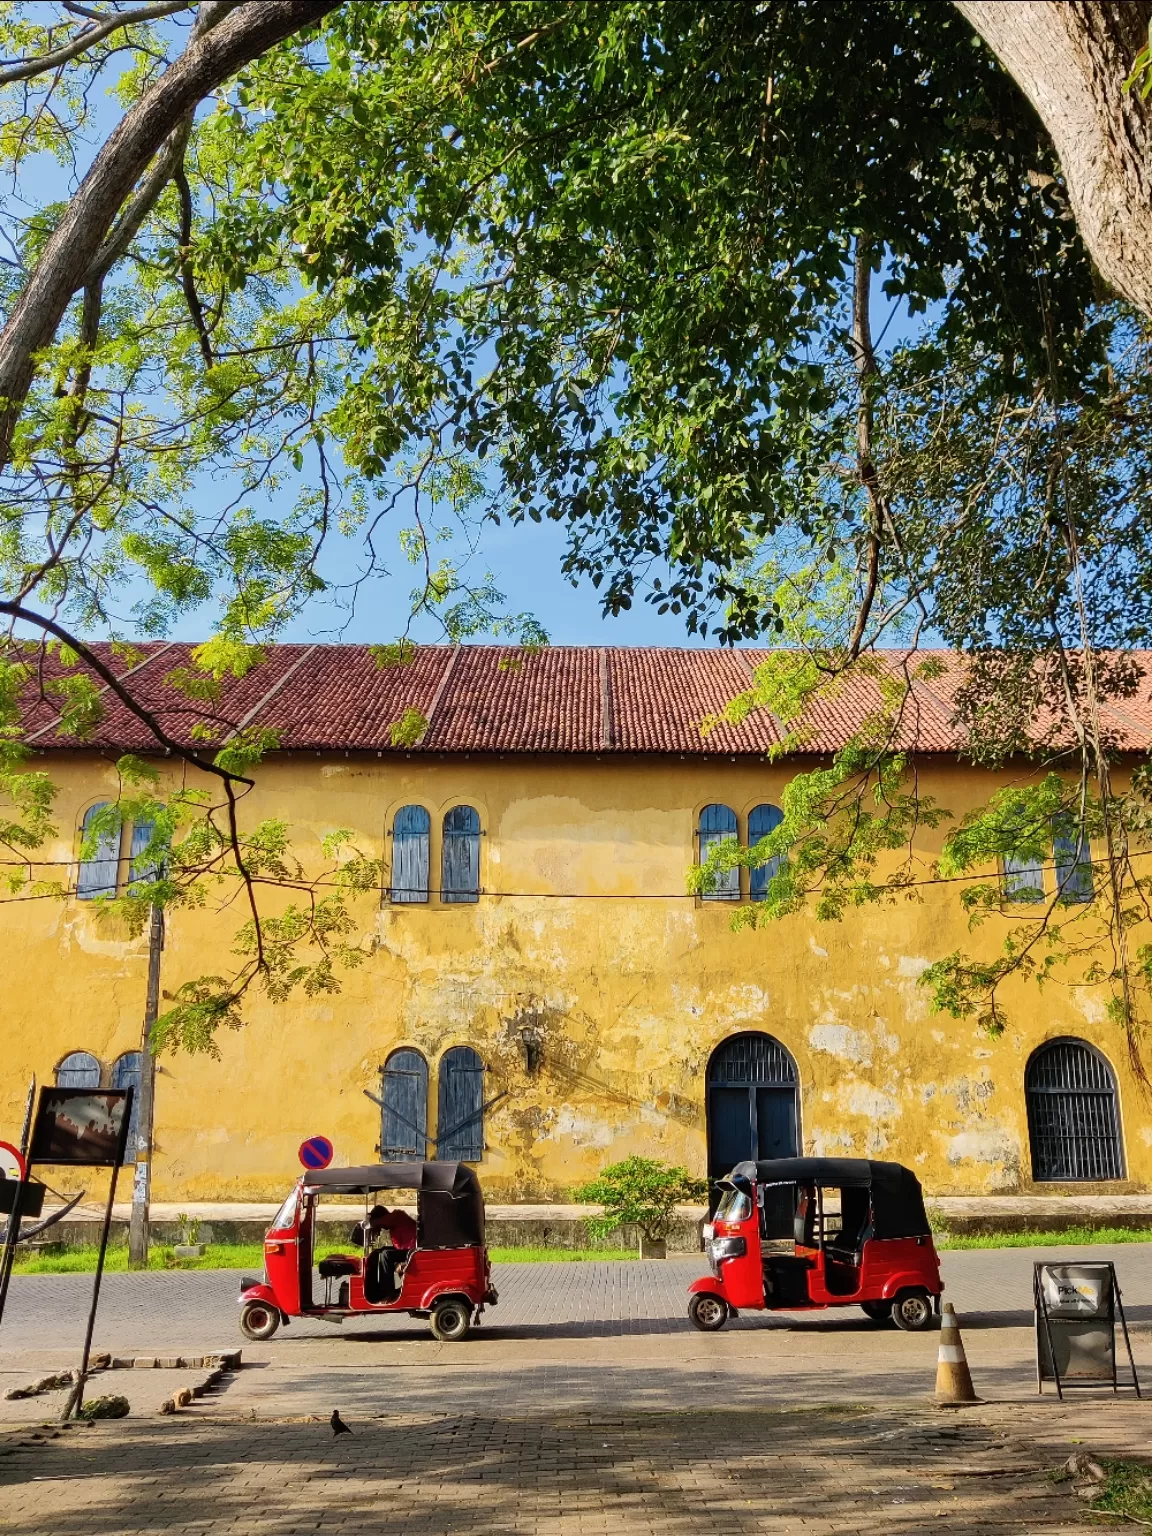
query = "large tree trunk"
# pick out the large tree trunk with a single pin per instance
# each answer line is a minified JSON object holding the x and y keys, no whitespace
{"x":1071,"y":58}
{"x":212,"y":57}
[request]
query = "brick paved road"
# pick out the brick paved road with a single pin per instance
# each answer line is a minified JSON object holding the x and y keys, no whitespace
{"x":585,"y":1404}
{"x":544,"y":1302}
{"x":569,"y":1474}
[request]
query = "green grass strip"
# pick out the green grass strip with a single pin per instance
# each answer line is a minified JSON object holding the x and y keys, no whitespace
{"x":82,"y":1259}
{"x":1127,"y":1491}
{"x":1072,"y":1237}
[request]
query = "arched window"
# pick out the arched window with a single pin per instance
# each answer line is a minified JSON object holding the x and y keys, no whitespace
{"x":460,"y":874}
{"x":1073,"y":867}
{"x":1072,"y":1120}
{"x":460,"y":1106}
{"x":98,"y":870}
{"x":141,"y":836}
{"x":1023,"y":880}
{"x":762,"y":819}
{"x":404,"y":1128}
{"x":411,"y":828}
{"x":78,"y":1070}
{"x":718,"y":825}
{"x":126,"y":1074}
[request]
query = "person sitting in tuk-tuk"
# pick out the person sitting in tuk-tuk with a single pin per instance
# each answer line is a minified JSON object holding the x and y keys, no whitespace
{"x":387,"y":1237}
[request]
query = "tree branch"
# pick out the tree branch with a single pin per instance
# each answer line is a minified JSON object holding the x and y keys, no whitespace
{"x":84,"y":39}
{"x":115,"y":686}
{"x":211,"y":57}
{"x":864,"y":356}
{"x":187,"y":278}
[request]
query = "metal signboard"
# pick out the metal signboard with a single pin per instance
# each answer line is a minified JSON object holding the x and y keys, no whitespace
{"x":1076,"y":1310}
{"x":81,"y":1126}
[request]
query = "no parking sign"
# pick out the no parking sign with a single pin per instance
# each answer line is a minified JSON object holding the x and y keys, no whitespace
{"x":315,"y":1153}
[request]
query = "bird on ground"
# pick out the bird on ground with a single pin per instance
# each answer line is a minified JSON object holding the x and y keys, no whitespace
{"x":338,"y":1425}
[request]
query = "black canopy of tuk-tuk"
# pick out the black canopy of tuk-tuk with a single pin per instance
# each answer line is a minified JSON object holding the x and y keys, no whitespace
{"x":449,"y":1202}
{"x":897,"y":1199}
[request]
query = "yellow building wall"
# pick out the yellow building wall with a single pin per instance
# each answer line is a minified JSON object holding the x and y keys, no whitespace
{"x":587,"y":942}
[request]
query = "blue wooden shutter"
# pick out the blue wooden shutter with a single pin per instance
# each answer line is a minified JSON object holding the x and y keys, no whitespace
{"x":1073,"y":867}
{"x":410,"y":832}
{"x":1023,"y":880}
{"x":126,"y":1072}
{"x":404,"y":1126}
{"x":141,"y":837}
{"x":762,"y":820}
{"x":97,"y":874}
{"x":460,"y":876}
{"x":78,"y":1070}
{"x":718,"y":825}
{"x":460,"y":1102}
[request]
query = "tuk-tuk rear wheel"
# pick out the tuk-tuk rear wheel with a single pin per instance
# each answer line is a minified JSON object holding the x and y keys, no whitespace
{"x":450,"y":1320}
{"x":258,"y":1320}
{"x":912,"y":1311}
{"x":878,"y":1311}
{"x":707,"y":1311}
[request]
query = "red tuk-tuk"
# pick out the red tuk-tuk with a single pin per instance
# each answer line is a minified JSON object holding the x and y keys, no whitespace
{"x":800,"y":1233}
{"x":446,"y":1277}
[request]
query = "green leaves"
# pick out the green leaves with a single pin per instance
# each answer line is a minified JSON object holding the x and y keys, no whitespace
{"x":640,"y":1191}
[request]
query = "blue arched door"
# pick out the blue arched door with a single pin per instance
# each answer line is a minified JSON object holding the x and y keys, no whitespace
{"x":752,"y":1103}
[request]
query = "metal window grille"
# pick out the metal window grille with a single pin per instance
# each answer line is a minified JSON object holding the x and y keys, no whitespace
{"x":1072,"y":1117}
{"x":762,"y":819}
{"x":460,"y":875}
{"x":411,"y":830}
{"x":404,"y":1118}
{"x":78,"y":1070}
{"x":752,"y":1060}
{"x":97,"y":875}
{"x":460,"y":1106}
{"x":126,"y":1074}
{"x":718,"y":825}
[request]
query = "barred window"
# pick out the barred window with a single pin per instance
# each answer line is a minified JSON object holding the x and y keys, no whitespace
{"x":1073,"y":1122}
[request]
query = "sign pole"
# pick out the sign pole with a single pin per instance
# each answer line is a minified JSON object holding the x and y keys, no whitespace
{"x":9,"y":1254}
{"x":138,"y":1228}
{"x":76,"y":1396}
{"x":26,"y":1133}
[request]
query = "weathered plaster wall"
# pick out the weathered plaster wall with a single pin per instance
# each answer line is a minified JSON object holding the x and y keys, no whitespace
{"x":628,"y":996}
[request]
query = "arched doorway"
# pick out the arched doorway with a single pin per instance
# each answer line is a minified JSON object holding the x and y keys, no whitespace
{"x":753,"y":1102}
{"x":1073,"y":1124}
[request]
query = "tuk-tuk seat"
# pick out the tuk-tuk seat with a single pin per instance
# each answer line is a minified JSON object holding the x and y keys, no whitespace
{"x":337,"y":1264}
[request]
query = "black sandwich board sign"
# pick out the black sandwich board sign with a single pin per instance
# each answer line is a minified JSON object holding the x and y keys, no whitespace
{"x":78,"y":1127}
{"x":1076,"y":1310}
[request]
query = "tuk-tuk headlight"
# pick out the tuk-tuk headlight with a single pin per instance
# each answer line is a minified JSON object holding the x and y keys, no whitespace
{"x":727,"y":1248}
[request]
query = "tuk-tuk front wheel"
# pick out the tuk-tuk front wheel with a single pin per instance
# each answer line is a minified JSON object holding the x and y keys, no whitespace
{"x":258,"y":1320}
{"x":912,"y":1311}
{"x":707,"y":1311}
{"x":450,"y":1320}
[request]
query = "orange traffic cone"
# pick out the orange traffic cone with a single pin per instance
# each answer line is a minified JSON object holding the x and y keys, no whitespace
{"x":953,"y":1378}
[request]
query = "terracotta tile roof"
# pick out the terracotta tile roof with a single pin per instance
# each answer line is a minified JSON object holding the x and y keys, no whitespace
{"x":491,"y":699}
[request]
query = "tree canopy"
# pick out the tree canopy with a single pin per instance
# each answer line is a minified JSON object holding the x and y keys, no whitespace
{"x":626,"y":266}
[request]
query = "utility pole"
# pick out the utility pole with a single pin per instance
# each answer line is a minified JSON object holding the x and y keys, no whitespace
{"x":141,"y":1184}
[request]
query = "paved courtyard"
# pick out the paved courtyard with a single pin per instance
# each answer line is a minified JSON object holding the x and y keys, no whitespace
{"x":584,"y":1404}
